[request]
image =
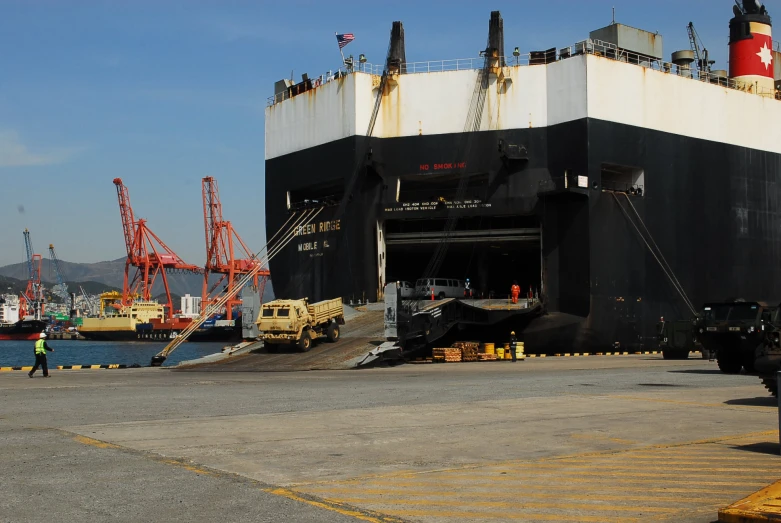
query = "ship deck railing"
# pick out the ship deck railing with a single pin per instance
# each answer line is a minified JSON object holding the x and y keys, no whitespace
{"x":593,"y":47}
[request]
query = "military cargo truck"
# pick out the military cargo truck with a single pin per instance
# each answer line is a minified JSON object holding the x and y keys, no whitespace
{"x":298,"y":322}
{"x":734,"y":330}
{"x":678,"y":338}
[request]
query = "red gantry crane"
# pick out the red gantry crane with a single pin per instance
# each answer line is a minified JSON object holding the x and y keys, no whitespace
{"x":148,"y":254}
{"x":31,"y":301}
{"x":223,"y":244}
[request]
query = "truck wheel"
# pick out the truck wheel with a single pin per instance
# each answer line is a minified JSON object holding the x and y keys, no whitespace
{"x":705,"y":354}
{"x":333,"y":332}
{"x":305,"y":343}
{"x":729,"y":364}
{"x":441,"y":295}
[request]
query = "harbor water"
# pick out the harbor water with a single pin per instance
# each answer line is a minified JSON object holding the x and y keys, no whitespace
{"x":74,"y":352}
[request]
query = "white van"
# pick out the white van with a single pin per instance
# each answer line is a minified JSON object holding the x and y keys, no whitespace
{"x":407,"y":289}
{"x":443,"y":288}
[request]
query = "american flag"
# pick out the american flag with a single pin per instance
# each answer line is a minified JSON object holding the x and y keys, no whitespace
{"x":344,"y":39}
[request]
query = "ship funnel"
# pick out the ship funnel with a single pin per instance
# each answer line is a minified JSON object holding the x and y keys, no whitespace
{"x":751,"y":48}
{"x":496,"y":36}
{"x":396,"y":54}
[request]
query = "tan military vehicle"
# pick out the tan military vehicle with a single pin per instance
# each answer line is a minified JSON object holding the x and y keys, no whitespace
{"x":298,"y":322}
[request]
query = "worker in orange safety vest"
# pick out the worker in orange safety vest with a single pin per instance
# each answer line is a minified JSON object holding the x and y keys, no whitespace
{"x":515,"y":291}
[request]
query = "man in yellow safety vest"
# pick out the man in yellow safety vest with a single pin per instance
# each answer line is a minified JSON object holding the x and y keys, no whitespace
{"x":40,"y":356}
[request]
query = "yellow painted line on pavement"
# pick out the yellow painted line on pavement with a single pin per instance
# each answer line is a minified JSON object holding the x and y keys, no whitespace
{"x":329,"y":505}
{"x":191,"y":468}
{"x":608,"y":494}
{"x":324,"y":504}
{"x":604,"y":468}
{"x":590,"y":486}
{"x":95,"y":442}
{"x":688,"y":445}
{"x":518,"y":505}
{"x":526,"y":516}
{"x":554,"y":480}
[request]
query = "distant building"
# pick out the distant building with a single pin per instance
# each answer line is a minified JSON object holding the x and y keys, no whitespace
{"x":191,"y":306}
{"x":9,"y":308}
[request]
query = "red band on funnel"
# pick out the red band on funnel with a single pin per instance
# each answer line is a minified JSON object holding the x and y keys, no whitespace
{"x":751,"y":57}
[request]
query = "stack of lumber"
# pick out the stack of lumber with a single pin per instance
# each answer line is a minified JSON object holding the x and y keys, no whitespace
{"x":469,"y":350}
{"x":449,"y":354}
{"x":486,"y":357}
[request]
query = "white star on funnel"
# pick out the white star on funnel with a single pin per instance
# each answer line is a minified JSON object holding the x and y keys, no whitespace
{"x":765,"y":56}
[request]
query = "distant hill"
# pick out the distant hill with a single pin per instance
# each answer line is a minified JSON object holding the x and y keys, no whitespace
{"x":11,"y":285}
{"x":91,"y":287}
{"x":98,"y":277}
{"x":109,"y":273}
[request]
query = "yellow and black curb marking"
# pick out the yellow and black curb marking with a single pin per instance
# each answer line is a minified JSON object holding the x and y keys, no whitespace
{"x":573,"y":354}
{"x":568,"y":354}
{"x":70,"y":367}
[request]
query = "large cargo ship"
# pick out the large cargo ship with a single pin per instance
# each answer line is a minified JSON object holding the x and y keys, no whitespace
{"x":619,"y":186}
{"x":22,"y":330}
{"x":14,"y":328}
{"x":146,"y":321}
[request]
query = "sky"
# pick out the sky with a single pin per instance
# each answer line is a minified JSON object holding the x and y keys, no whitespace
{"x":162,"y":93}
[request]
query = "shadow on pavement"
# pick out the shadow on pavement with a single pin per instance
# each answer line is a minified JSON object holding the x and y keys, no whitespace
{"x":764,"y":447}
{"x":762,"y":401}
{"x":697,"y":371}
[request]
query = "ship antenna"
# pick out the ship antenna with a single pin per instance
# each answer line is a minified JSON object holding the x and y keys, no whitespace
{"x":614,"y":15}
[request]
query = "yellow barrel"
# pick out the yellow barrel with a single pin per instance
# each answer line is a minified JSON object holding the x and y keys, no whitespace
{"x":520,"y":350}
{"x":499,"y":354}
{"x":508,"y":354}
{"x":489,"y":348}
{"x":506,"y":347}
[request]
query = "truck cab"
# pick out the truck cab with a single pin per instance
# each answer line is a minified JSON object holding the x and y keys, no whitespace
{"x":734,"y":330}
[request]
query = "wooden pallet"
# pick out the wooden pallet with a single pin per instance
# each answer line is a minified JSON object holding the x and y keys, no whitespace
{"x":486,"y":357}
{"x":448,"y":354}
{"x":469,"y":349}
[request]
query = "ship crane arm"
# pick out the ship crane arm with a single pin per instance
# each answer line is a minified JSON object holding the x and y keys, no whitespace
{"x":701,"y":57}
{"x":226,"y":253}
{"x":151,"y":257}
{"x":61,"y":289}
{"x":31,"y":300}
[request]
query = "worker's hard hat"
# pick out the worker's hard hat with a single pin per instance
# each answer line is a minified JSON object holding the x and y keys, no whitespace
{"x":512,"y":333}
{"x":43,"y":335}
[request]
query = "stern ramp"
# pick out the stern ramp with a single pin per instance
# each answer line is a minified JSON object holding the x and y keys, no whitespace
{"x":362,"y":332}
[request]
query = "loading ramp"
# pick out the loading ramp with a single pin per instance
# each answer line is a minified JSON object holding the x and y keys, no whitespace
{"x":362,"y":332}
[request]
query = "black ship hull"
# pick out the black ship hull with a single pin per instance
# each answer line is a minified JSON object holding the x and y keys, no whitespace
{"x":210,"y":334}
{"x":711,"y":207}
{"x":22,"y":330}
